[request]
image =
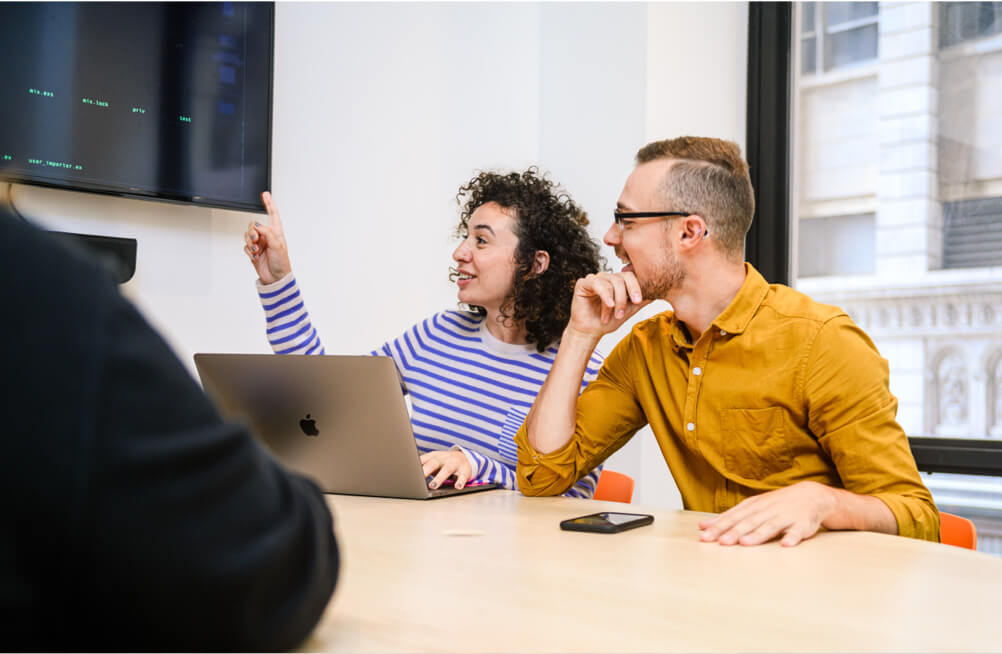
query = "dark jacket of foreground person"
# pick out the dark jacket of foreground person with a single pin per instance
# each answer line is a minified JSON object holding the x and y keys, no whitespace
{"x":133,"y":516}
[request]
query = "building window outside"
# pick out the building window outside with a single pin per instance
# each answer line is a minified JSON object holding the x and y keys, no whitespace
{"x":897,"y":180}
{"x":843,"y":33}
{"x":965,"y":21}
{"x":972,"y":233}
{"x":836,"y":245}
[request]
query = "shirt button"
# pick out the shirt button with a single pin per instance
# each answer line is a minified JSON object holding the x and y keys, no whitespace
{"x":723,"y":332}
{"x":697,"y":371}
{"x":691,"y":426}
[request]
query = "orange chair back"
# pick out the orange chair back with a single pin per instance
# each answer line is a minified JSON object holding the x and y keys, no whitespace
{"x":953,"y":530}
{"x":614,"y":487}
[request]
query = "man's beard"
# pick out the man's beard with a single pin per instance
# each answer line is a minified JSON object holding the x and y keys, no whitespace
{"x":667,"y":276}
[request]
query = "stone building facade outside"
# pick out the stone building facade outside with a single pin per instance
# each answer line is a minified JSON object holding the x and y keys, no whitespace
{"x":897,"y":196}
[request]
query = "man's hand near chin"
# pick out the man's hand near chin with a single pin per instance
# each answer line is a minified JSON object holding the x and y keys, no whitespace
{"x":796,"y":513}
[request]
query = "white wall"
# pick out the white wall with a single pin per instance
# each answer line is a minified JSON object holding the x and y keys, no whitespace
{"x":381,"y":111}
{"x":697,"y":62}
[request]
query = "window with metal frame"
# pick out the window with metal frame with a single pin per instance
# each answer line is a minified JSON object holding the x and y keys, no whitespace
{"x":837,"y":34}
{"x":966,"y":21}
{"x":924,"y":161}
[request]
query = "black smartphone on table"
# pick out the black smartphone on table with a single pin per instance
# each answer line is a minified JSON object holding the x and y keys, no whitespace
{"x":607,"y":522}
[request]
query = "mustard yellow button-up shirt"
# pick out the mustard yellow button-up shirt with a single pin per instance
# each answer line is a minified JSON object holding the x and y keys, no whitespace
{"x":779,"y":389}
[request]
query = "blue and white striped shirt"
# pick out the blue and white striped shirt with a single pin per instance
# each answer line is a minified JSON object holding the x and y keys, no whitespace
{"x":468,"y":389}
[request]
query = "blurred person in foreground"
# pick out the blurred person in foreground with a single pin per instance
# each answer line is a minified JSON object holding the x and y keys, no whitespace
{"x":135,"y":517}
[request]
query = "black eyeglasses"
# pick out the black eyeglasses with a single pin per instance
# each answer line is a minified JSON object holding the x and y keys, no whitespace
{"x":623,"y":218}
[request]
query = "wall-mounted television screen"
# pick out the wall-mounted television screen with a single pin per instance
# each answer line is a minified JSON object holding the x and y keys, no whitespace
{"x":165,"y":101}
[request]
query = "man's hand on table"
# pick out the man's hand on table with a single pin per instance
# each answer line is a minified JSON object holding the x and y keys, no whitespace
{"x":795,"y":512}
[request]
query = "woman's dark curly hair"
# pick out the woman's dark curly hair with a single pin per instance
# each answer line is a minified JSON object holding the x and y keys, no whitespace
{"x":545,"y":219}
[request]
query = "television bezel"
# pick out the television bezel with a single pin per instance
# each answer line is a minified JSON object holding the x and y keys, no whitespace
{"x":16,"y":177}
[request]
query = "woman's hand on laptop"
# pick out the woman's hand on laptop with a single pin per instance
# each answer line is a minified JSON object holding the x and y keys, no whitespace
{"x":265,"y":245}
{"x":444,"y":464}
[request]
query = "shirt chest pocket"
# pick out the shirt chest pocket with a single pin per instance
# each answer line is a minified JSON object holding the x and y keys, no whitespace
{"x":756,"y":442}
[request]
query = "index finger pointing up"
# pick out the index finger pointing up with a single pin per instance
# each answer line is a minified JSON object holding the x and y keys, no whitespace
{"x":274,"y":220}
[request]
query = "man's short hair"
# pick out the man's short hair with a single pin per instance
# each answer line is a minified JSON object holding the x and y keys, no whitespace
{"x":710,"y":179}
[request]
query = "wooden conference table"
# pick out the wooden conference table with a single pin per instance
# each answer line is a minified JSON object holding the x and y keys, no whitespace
{"x":492,"y":572}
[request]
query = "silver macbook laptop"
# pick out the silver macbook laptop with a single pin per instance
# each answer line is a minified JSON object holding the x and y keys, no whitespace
{"x":341,"y":420}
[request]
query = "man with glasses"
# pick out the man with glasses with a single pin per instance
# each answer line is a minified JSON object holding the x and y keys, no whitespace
{"x":770,"y":409}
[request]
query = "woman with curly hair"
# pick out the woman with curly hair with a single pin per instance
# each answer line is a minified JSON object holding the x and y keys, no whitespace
{"x":472,"y":374}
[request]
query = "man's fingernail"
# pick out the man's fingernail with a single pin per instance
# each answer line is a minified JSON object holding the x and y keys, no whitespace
{"x":257,"y":223}
{"x":637,"y":298}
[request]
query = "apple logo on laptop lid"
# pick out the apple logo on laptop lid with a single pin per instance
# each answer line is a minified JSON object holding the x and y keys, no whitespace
{"x":309,"y":426}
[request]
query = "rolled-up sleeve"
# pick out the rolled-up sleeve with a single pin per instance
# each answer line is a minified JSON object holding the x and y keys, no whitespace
{"x":853,"y":413}
{"x":608,"y":414}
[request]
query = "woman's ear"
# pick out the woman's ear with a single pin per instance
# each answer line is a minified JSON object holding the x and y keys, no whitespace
{"x":540,"y":262}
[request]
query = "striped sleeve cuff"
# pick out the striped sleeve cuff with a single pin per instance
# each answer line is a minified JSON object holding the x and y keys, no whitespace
{"x":500,"y":474}
{"x":490,"y":470}
{"x":584,"y":488}
{"x":475,"y":460}
{"x":287,"y":322}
